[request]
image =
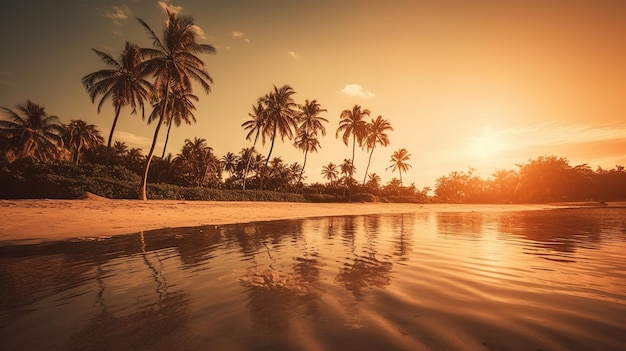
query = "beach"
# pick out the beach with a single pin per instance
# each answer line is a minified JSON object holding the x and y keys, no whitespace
{"x":95,"y":217}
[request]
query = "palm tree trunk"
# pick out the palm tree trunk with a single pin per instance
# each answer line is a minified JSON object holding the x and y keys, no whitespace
{"x":117,"y":114}
{"x":368,"y":165}
{"x":268,"y":157}
{"x":400,"y":170}
{"x":167,"y":137}
{"x":302,"y":170}
{"x":245,"y":174}
{"x":144,"y":181}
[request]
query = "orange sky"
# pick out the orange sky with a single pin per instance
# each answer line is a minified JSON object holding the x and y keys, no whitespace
{"x":485,"y":84}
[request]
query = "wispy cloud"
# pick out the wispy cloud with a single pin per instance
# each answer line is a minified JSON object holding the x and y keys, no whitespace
{"x":293,"y":54}
{"x":239,"y":35}
{"x":166,"y":6}
{"x":117,"y":13}
{"x":357,"y":91}
{"x":559,"y":134}
{"x":133,"y":140}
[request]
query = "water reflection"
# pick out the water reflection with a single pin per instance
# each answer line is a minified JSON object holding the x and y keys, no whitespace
{"x":325,"y":282}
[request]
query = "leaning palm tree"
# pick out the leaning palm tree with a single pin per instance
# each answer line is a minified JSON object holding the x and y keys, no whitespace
{"x":376,"y":135}
{"x":123,"y":82}
{"x":174,"y":64}
{"x":80,"y":137}
{"x":256,"y":126}
{"x":306,"y":141}
{"x":330,"y":172}
{"x":31,"y":133}
{"x":353,"y":125}
{"x":398,"y":161}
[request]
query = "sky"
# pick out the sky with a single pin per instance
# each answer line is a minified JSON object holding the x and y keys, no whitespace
{"x":480,"y":84}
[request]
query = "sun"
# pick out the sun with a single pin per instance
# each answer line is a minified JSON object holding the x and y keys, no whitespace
{"x":483,"y":147}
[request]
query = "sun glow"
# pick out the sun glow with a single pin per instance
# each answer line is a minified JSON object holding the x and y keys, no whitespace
{"x":484,"y":147}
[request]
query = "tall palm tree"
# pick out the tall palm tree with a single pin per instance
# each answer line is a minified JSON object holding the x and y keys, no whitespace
{"x":256,"y":126}
{"x":306,"y":141}
{"x":174,"y":65}
{"x":281,"y":114}
{"x":353,"y":125}
{"x":80,"y":137}
{"x":398,"y":161}
{"x":330,"y":172}
{"x":123,"y":82}
{"x":376,"y":135}
{"x":31,"y":133}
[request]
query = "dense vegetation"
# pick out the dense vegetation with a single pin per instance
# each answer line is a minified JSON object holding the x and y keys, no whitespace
{"x":40,"y":157}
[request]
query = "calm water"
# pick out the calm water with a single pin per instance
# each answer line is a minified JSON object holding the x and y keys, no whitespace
{"x":539,"y":280}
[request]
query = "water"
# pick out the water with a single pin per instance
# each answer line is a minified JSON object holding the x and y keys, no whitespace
{"x":537,"y":280}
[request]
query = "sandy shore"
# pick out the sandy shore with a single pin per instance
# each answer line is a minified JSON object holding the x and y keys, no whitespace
{"x":43,"y":220}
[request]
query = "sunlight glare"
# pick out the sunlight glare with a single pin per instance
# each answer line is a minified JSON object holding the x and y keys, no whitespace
{"x":483,"y":147}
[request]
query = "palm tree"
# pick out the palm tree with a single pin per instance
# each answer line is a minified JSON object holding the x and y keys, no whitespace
{"x":256,"y":125}
{"x":229,"y":162}
{"x":193,"y":161}
{"x":353,"y":125}
{"x":398,"y":161}
{"x":123,"y":83}
{"x":306,"y":141}
{"x":181,"y":109}
{"x":310,"y":119}
{"x":31,"y":133}
{"x":374,"y":180}
{"x":330,"y":172}
{"x":80,"y":137}
{"x":376,"y":135}
{"x":174,"y":64}
{"x":281,"y":114}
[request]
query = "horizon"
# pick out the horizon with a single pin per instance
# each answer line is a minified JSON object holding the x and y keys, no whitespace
{"x":479,"y":85}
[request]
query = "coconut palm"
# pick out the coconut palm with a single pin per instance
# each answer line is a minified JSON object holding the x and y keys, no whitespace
{"x":256,"y":126}
{"x":181,"y":109}
{"x":330,"y":172}
{"x":376,"y":135}
{"x":174,"y":65}
{"x":374,"y":180}
{"x":123,"y":83}
{"x":281,"y":113}
{"x":353,"y":125}
{"x":306,"y":141}
{"x":193,"y":161}
{"x":79,"y":137}
{"x":398,"y":161}
{"x":31,"y":133}
{"x":229,"y":163}
{"x":310,"y":119}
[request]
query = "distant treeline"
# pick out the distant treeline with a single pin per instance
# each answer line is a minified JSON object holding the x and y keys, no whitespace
{"x":544,"y":179}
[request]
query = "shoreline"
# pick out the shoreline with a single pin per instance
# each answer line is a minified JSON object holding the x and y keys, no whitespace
{"x":41,"y":220}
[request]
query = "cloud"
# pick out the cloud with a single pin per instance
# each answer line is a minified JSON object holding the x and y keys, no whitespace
{"x":117,"y":14}
{"x":239,"y":35}
{"x":357,"y":91}
{"x":166,"y":6}
{"x":132,"y":140}
{"x":559,"y":134}
{"x":293,"y":54}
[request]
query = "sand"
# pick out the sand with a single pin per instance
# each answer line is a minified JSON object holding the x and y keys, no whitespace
{"x":93,"y":217}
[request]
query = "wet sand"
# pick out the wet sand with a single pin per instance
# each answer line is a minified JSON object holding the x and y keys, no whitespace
{"x":46,"y":220}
